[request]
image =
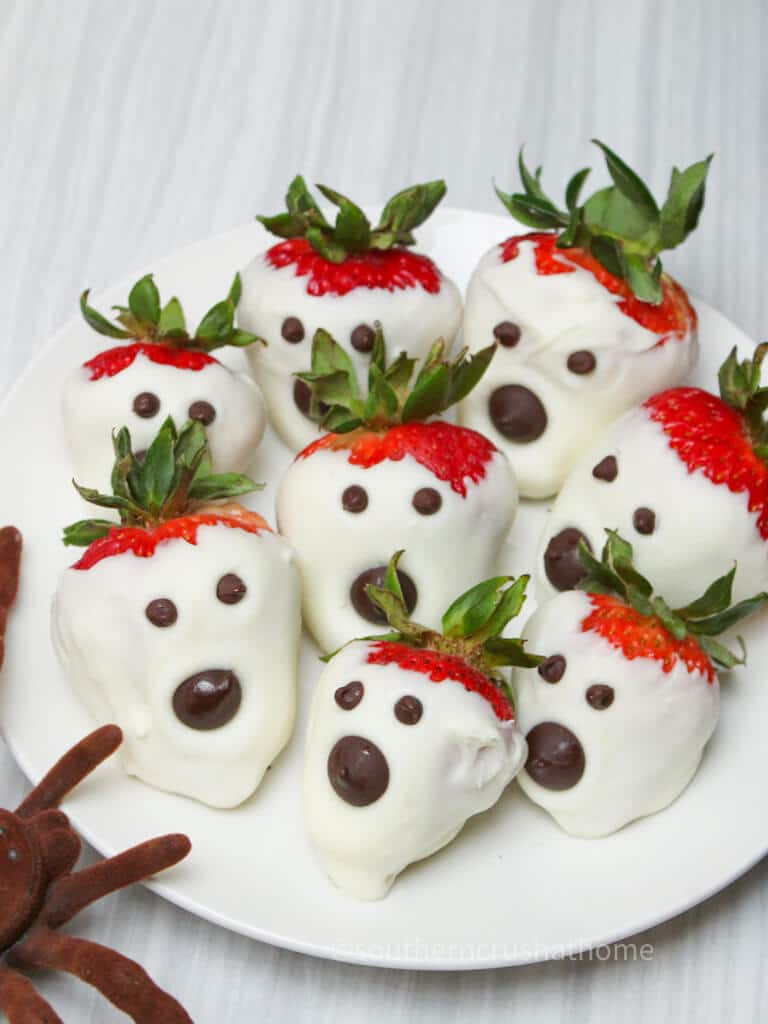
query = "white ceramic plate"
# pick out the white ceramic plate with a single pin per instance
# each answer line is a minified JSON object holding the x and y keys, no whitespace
{"x":513,"y":888}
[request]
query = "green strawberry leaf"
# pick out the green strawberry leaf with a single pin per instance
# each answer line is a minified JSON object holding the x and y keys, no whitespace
{"x":171,"y":321}
{"x":410,"y":208}
{"x":507,"y":651}
{"x":683,"y":205}
{"x":575,"y":185}
{"x":472,"y":609}
{"x":719,"y":653}
{"x":713,"y":625}
{"x":216,"y":486}
{"x":284,"y":225}
{"x":144,"y":301}
{"x":353,"y":230}
{"x":86,"y":531}
{"x":644,"y":281}
{"x":715,"y":599}
{"x":329,"y":247}
{"x":218,"y":322}
{"x":628,"y":182}
{"x":98,"y":322}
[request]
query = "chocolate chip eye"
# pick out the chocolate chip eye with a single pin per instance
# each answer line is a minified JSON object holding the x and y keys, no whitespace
{"x":146,"y":405}
{"x":427,"y":501}
{"x":203,"y":412}
{"x":644,"y":520}
{"x":581,"y":362}
{"x":552,"y":669}
{"x":600,"y":696}
{"x":607,"y":469}
{"x":349,"y":696}
{"x":409,"y":710}
{"x":230,"y":589}
{"x":292,"y":330}
{"x":507,"y":333}
{"x":161,"y":612}
{"x":363,"y":338}
{"x":354,"y":499}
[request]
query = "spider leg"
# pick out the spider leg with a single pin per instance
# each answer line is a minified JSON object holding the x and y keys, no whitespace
{"x":121,"y":980}
{"x":10,"y":557}
{"x":71,"y":770}
{"x":68,"y":895}
{"x":21,"y":1003}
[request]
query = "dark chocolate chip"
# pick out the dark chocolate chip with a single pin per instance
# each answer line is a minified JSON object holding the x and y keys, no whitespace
{"x":354,"y":499}
{"x":561,"y":559}
{"x":208,"y":699}
{"x":600,"y":696}
{"x":230,"y":589}
{"x":581,"y":362}
{"x":363,"y":338}
{"x":146,"y":405}
{"x":552,"y":669}
{"x":203,"y":412}
{"x":161,"y":612}
{"x":365,"y":607}
{"x":349,"y":696}
{"x":292,"y":330}
{"x":302,"y":397}
{"x":517,"y":413}
{"x":409,"y":710}
{"x":507,"y":333}
{"x":607,"y":469}
{"x":644,"y":520}
{"x":427,"y":501}
{"x":358,"y":771}
{"x":555,"y":756}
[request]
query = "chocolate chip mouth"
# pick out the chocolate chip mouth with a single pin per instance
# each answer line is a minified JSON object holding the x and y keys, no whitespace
{"x":358,"y":771}
{"x":208,"y":699}
{"x":365,"y":607}
{"x":555,"y":756}
{"x":562,"y":563}
{"x":517,"y":413}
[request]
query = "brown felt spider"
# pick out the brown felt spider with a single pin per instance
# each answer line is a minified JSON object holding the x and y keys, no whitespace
{"x":39,"y":893}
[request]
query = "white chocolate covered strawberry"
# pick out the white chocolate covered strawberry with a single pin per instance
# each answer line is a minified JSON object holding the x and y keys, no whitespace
{"x":386,"y":477}
{"x":686,"y":476}
{"x":160,"y":370}
{"x":618,"y":714}
{"x":411,"y":735}
{"x":342,"y":278}
{"x":182,"y":624}
{"x":587,"y":323}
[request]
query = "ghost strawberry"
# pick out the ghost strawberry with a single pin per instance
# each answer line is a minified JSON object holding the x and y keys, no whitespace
{"x":618,"y":714}
{"x":588,"y":323}
{"x":412,"y":733}
{"x":686,"y":475}
{"x":159,"y":369}
{"x":182,"y":623}
{"x":341,"y":277}
{"x":385,"y":478}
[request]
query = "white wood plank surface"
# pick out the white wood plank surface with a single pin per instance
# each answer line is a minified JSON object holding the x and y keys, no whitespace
{"x":131,"y":127}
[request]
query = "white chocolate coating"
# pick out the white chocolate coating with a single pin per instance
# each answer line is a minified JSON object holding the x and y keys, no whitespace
{"x":560,"y":314}
{"x":455,"y":762}
{"x":642,"y":751}
{"x":94,"y":408}
{"x":445,"y":553}
{"x":701,"y":528}
{"x":126,"y":670}
{"x":412,"y":319}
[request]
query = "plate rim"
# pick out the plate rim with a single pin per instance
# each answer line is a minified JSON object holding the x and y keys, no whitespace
{"x":178,"y":898}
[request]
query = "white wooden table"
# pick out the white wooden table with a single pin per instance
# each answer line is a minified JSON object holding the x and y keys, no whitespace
{"x":131,"y":128}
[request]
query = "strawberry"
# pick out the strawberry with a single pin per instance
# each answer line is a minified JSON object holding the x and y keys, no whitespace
{"x":161,"y":369}
{"x":618,"y":713}
{"x":687,"y":474}
{"x":181,"y":623}
{"x":387,"y":475}
{"x":412,"y":733}
{"x":342,"y":277}
{"x":588,"y":322}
